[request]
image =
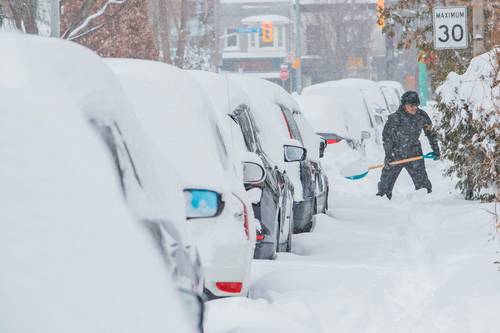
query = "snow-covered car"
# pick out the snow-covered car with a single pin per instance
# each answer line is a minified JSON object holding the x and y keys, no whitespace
{"x":72,"y":257}
{"x":153,"y":197}
{"x":273,"y":111}
{"x":392,"y":91}
{"x":233,"y":104}
{"x":371,"y":96}
{"x":340,"y":110}
{"x":174,"y":111}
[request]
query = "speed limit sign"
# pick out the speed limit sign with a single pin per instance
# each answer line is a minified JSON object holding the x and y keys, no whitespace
{"x":450,"y":27}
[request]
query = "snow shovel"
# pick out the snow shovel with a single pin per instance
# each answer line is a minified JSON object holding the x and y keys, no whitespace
{"x":364,"y":171}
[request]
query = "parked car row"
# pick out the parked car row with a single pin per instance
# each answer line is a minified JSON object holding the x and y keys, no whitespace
{"x":214,"y":170}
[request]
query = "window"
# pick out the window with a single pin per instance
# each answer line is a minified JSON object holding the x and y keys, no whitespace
{"x":280,"y":37}
{"x":252,"y":41}
{"x":278,"y":42}
{"x":243,"y":118}
{"x":125,"y":166}
{"x":232,"y":40}
{"x":293,"y":128}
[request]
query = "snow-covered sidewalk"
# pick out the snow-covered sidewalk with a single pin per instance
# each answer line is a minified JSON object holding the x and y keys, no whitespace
{"x":419,"y":263}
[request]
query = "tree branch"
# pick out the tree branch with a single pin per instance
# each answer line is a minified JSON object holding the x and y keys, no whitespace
{"x":90,"y":18}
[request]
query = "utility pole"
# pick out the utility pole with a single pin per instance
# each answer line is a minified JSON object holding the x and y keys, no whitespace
{"x":298,"y":46}
{"x":478,"y":26}
{"x":55,"y":19}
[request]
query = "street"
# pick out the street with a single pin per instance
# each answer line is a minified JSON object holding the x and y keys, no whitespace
{"x":417,"y":263}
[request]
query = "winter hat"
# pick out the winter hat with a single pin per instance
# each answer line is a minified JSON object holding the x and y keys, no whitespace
{"x":410,"y":97}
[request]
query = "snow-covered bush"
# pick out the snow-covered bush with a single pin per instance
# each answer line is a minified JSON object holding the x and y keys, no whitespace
{"x":469,"y":126}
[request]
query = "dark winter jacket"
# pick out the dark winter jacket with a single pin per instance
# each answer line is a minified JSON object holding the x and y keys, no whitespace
{"x":401,"y":133}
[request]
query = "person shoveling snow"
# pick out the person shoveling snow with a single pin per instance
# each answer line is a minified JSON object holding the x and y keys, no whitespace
{"x":401,"y":141}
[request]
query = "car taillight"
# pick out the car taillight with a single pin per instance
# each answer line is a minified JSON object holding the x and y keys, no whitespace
{"x":333,"y":141}
{"x":229,"y":287}
{"x":245,"y":217}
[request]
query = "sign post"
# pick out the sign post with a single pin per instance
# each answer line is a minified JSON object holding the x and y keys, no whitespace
{"x":450,"y":27}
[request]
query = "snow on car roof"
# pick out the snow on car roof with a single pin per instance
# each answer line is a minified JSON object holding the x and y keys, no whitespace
{"x":72,"y":258}
{"x":370,"y":89}
{"x":395,"y":84}
{"x":348,"y":101}
{"x":226,"y":96}
{"x":323,"y":113}
{"x":224,"y":93}
{"x":76,"y":73}
{"x":175,"y":113}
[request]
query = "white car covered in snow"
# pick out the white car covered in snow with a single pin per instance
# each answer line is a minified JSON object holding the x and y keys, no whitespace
{"x":340,"y":110}
{"x":371,"y":96}
{"x":175,"y":113}
{"x":72,"y":257}
{"x":273,"y":111}
{"x":155,"y":198}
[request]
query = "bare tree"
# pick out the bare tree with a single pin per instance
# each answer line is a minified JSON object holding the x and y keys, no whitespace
{"x":337,"y":35}
{"x":22,"y":13}
{"x":148,"y":29}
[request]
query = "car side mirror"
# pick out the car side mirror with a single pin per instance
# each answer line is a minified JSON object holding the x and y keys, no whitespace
{"x":294,"y":153}
{"x":202,"y":203}
{"x":253,"y":173}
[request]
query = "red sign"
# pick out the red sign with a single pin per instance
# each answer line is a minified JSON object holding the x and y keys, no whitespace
{"x":284,"y":74}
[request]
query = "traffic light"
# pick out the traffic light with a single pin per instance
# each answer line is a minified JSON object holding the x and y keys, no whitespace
{"x":267,"y":32}
{"x":380,"y":10}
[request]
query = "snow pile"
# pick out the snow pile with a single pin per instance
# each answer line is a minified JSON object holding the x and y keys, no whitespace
{"x":469,"y":124}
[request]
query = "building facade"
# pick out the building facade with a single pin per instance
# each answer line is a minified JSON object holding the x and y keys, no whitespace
{"x":243,"y":45}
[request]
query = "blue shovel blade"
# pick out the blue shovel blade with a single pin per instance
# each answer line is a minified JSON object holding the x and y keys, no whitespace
{"x":356,"y":177}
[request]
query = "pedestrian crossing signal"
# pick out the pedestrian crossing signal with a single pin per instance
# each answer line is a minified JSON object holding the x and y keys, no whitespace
{"x":267,"y":32}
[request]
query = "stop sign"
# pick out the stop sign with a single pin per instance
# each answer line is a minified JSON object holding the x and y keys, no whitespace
{"x":284,"y":74}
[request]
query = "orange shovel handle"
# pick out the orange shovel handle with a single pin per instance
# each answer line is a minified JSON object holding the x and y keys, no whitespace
{"x":406,"y":160}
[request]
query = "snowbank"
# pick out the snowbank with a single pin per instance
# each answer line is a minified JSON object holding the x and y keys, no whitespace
{"x":469,"y":125}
